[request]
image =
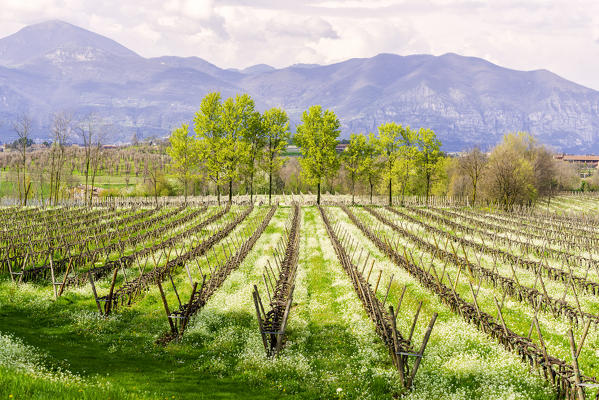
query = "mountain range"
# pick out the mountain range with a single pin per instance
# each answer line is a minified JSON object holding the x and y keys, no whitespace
{"x":55,"y":66}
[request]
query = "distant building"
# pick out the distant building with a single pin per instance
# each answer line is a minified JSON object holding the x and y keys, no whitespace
{"x":292,"y":149}
{"x":589,"y":160}
{"x":341,"y":147}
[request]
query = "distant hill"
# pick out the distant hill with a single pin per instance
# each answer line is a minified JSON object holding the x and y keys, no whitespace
{"x":56,"y":66}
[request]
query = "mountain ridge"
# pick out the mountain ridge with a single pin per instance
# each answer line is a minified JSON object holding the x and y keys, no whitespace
{"x":467,"y":101}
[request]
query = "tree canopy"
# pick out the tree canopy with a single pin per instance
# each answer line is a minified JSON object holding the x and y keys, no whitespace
{"x":317,"y":138}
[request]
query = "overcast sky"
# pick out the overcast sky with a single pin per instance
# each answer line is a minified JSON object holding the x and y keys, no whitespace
{"x":562,"y":36}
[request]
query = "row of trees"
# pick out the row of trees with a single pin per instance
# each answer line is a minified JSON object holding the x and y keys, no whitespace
{"x":232,"y":139}
{"x":395,"y":155}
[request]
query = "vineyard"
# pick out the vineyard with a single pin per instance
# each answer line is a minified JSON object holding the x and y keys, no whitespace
{"x":139,"y":299}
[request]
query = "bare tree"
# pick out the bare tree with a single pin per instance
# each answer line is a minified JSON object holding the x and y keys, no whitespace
{"x":22,"y":127}
{"x":153,"y":173}
{"x":97,"y":154}
{"x":61,"y":131}
{"x":472,"y":165}
{"x":91,"y":137}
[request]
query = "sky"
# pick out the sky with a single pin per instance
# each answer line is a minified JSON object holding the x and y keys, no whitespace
{"x":561,"y":36}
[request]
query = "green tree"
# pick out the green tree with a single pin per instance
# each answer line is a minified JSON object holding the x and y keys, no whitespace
{"x":237,"y":115}
{"x":372,"y":166}
{"x":317,"y":138}
{"x":211,"y":143}
{"x":390,"y":142}
{"x":518,"y":171}
{"x":472,"y":165}
{"x":255,"y":139}
{"x":276,"y":129}
{"x":353,"y":158}
{"x":408,"y":153}
{"x":184,"y":155}
{"x":428,"y":157}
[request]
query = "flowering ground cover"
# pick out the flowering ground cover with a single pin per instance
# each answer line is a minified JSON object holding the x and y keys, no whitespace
{"x":69,"y":346}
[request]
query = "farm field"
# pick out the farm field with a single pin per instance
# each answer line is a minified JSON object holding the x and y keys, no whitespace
{"x":482,"y":301}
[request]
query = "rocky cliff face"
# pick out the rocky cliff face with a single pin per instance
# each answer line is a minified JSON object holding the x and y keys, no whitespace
{"x":56,"y":66}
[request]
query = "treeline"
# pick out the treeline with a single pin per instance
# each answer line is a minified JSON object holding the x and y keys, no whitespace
{"x":517,"y":171}
{"x":232,"y":148}
{"x":59,"y":170}
{"x":232,"y":142}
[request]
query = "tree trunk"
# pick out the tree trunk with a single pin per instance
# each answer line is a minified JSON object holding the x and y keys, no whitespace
{"x":390,"y":195}
{"x":86,"y":178}
{"x":318,"y":195}
{"x":371,"y":187}
{"x":156,"y":195}
{"x":42,"y":189}
{"x":26,"y":194}
{"x":91,"y":191}
{"x":185,"y":191}
{"x":428,"y":184}
{"x":57,"y":187}
{"x":230,"y":191}
{"x":353,"y":189}
{"x":94,"y":173}
{"x":269,"y":185}
{"x":218,"y":193}
{"x":25,"y":168}
{"x":52,"y":167}
{"x":252,"y":186}
{"x":405,"y":183}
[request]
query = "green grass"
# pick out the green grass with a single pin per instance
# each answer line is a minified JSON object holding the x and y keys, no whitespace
{"x":119,"y":352}
{"x":63,"y":350}
{"x":460,"y":362}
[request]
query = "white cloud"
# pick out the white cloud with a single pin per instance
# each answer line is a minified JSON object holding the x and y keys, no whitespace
{"x":198,"y":9}
{"x":560,"y":35}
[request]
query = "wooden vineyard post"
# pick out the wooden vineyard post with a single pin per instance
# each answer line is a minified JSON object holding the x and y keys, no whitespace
{"x":427,"y":335}
{"x":256,"y":296}
{"x":52,"y":276}
{"x":266,"y":285}
{"x":12,"y":274}
{"x":579,"y":390}
{"x":23,"y":267}
{"x":500,"y":316}
{"x":545,"y":355}
{"x":66,"y":274}
{"x":108,"y":305}
{"x":583,"y":337}
{"x":397,"y":357}
{"x":284,"y":324}
{"x":377,"y":281}
{"x":188,"y":308}
{"x":91,"y":281}
{"x":166,"y":309}
{"x":414,"y":322}
{"x":175,"y":289}
{"x":388,"y":288}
